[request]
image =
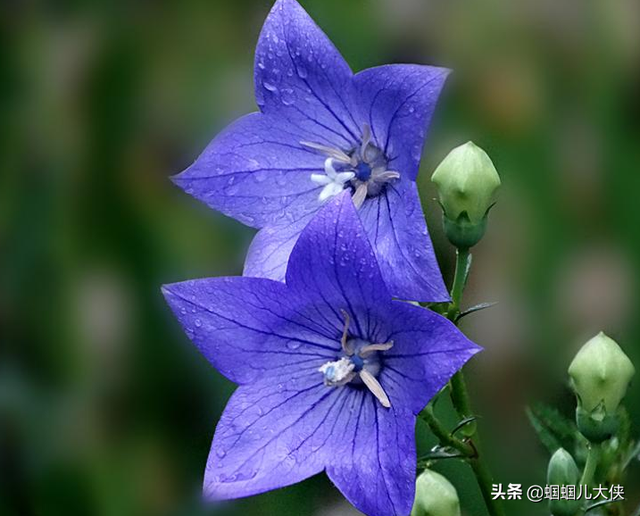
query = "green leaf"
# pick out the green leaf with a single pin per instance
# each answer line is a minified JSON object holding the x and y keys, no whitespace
{"x":624,"y":429}
{"x":438,"y":453}
{"x":475,"y":308}
{"x":554,"y":430}
{"x":550,"y":441}
{"x":466,"y":421}
{"x":599,"y":504}
{"x":633,"y":454}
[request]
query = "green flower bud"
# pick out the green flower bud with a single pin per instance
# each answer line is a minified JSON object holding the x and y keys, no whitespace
{"x":563,"y":471}
{"x":596,"y":425}
{"x":600,"y":375}
{"x":466,"y":181}
{"x":435,"y":496}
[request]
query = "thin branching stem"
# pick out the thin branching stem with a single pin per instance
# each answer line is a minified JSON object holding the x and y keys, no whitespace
{"x":460,"y":394}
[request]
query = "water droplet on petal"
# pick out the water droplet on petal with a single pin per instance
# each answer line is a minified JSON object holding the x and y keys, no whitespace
{"x":287,"y":97}
{"x":269,"y":86}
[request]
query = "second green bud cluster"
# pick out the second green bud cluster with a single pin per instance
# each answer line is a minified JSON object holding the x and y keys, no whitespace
{"x":600,"y":375}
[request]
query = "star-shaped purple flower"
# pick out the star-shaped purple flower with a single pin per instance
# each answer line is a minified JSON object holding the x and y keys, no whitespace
{"x":321,"y":130}
{"x":332,"y":371}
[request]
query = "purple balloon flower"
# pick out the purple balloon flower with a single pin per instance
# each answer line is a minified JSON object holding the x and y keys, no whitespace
{"x":321,"y":130}
{"x":332,"y":371}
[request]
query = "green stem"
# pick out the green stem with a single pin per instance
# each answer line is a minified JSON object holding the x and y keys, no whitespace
{"x":463,"y":265}
{"x":593,"y":458}
{"x":460,"y":398}
{"x":485,"y":482}
{"x":460,"y":394}
{"x":444,"y":436}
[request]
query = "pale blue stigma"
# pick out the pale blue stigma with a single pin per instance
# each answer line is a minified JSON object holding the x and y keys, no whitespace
{"x":330,"y":373}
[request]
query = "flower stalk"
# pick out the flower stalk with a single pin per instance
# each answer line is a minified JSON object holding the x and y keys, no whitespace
{"x":461,"y":400}
{"x":459,"y":392}
{"x":593,"y":457}
{"x":445,"y":437}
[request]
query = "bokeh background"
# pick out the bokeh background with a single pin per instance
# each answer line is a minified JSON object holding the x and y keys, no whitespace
{"x":106,"y":408}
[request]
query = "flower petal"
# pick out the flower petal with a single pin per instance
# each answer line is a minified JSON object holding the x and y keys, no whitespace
{"x":257,"y":172}
{"x":270,"y":249}
{"x":249,"y":328}
{"x":398,"y":232}
{"x":375,"y":469}
{"x":397,"y":101}
{"x":300,"y":76}
{"x":275,"y":433}
{"x":427,"y":351}
{"x":333,"y":264}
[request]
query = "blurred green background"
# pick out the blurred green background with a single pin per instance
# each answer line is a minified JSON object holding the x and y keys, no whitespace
{"x":106,"y":408}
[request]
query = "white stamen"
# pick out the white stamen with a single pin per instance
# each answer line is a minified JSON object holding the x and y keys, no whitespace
{"x":365,"y":351}
{"x":366,"y":138}
{"x":385,"y":176}
{"x":345,"y":332}
{"x":333,"y":182}
{"x":339,"y":372}
{"x":360,"y":195}
{"x":376,"y":389}
{"x":336,"y":154}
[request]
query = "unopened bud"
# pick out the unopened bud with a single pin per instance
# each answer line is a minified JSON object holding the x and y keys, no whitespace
{"x":466,"y":181}
{"x":435,"y":496}
{"x":563,"y":471}
{"x":600,"y":375}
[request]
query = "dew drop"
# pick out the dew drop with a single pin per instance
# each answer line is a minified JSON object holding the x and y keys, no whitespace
{"x":287,"y":98}
{"x":220,"y":452}
{"x":293,"y":344}
{"x":269,"y":86}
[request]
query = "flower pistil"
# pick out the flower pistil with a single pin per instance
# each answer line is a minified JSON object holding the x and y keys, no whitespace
{"x":360,"y":363}
{"x":363,"y":169}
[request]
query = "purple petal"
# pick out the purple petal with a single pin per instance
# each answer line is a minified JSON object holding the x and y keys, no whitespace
{"x":275,"y":433}
{"x":300,"y":76}
{"x":427,"y":351}
{"x":270,"y":249}
{"x":249,"y":328}
{"x":376,"y":466}
{"x":398,"y":232}
{"x":397,"y":101}
{"x":334,"y":266}
{"x":257,"y":172}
